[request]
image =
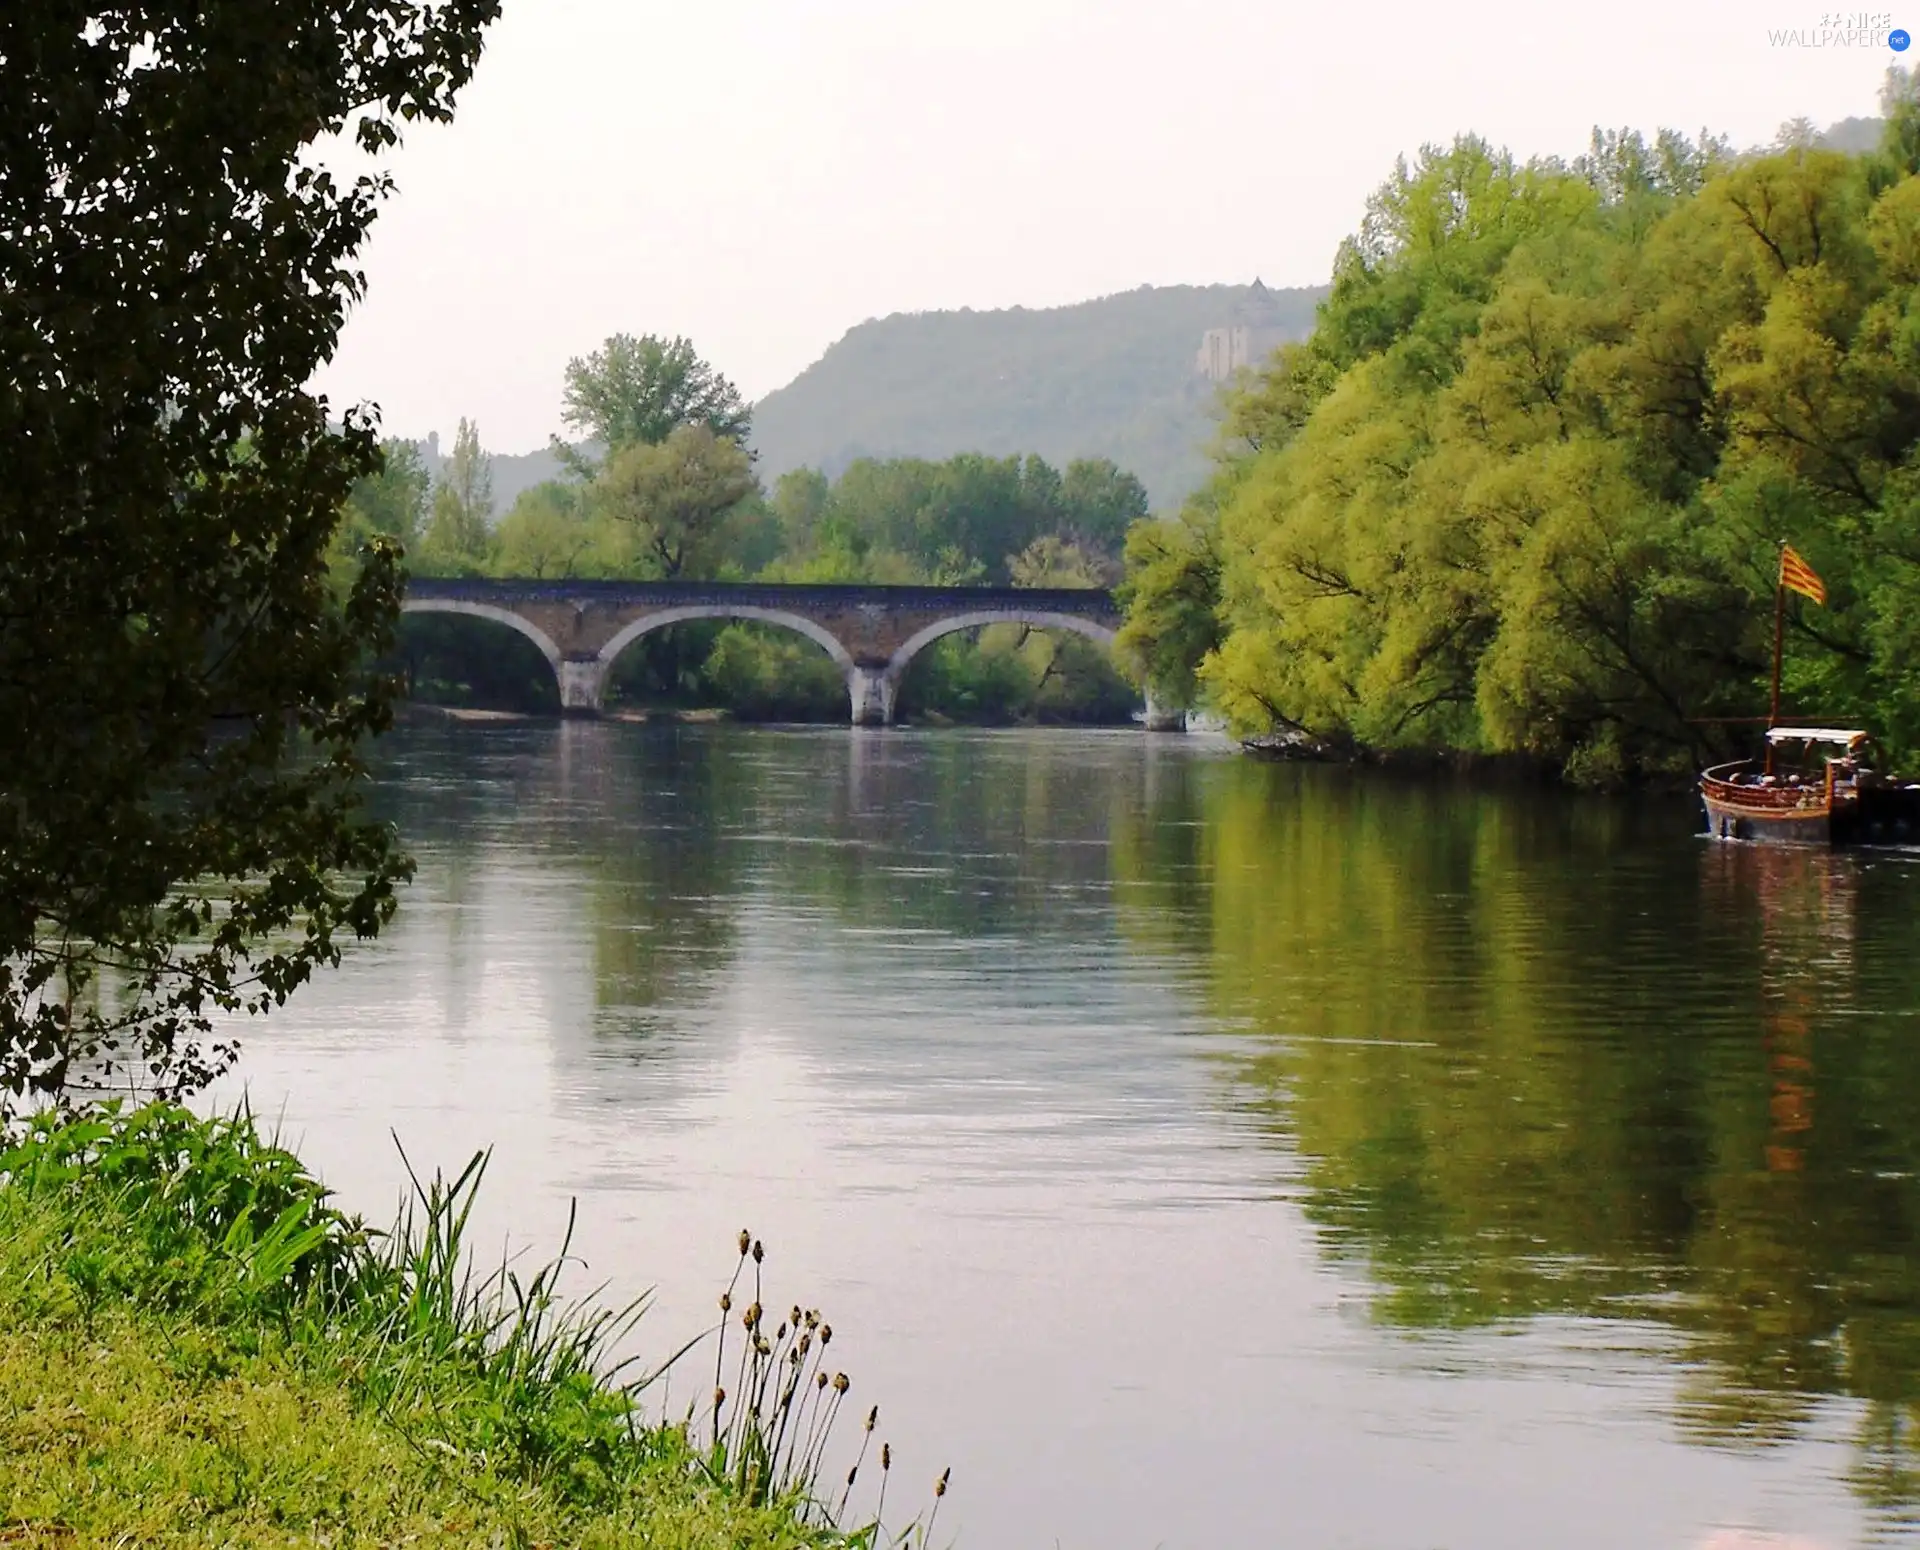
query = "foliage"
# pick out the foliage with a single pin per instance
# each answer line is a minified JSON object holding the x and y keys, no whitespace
{"x":390,"y":502}
{"x":458,"y":534}
{"x":546,"y":535}
{"x":1099,"y":501}
{"x":801,"y":500}
{"x":179,"y":823}
{"x":637,"y":392}
{"x":673,"y":499}
{"x":1171,"y":594}
{"x":689,"y":507}
{"x":336,"y":1382}
{"x":447,"y":659}
{"x":1052,"y":561}
{"x":1521,"y":490}
{"x":763,"y":673}
{"x":948,"y":517}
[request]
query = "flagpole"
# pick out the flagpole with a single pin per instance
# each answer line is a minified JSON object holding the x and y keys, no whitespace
{"x":1779,"y":644}
{"x":1779,"y":633}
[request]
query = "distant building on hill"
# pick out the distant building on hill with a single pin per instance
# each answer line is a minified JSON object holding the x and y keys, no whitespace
{"x":1257,"y":327}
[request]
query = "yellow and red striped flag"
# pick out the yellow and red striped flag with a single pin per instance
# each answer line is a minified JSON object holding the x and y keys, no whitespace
{"x":1796,"y":575}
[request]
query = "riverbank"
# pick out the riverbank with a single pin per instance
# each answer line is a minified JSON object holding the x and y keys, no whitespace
{"x":1505,"y":770}
{"x":196,"y":1349}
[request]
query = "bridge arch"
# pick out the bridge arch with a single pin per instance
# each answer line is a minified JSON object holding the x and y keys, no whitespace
{"x":1034,"y":618}
{"x":506,"y":616}
{"x":883,"y":690}
{"x":798,"y":623}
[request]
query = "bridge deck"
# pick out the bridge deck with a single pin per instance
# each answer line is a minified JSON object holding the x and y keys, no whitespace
{"x":756,"y":594}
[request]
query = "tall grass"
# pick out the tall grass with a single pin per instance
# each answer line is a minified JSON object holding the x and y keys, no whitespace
{"x":490,"y":1376}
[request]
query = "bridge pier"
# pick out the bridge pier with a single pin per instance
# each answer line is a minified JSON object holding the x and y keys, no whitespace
{"x":870,"y":692}
{"x":583,"y":685}
{"x":1164,"y":718}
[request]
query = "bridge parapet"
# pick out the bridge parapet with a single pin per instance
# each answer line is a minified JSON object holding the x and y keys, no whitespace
{"x":871,"y":632}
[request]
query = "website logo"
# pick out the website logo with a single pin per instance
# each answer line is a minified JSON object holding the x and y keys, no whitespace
{"x":1845,"y":29}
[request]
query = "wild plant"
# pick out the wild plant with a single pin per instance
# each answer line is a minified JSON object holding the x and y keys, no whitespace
{"x":495,"y":1373}
{"x":768,"y":1436}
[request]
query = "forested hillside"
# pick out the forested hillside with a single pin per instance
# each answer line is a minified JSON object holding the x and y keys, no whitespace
{"x":1523,"y":489}
{"x":1113,"y":378}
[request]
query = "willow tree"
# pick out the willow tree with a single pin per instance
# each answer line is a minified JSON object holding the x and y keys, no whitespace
{"x":185,"y":693}
{"x":1522,"y":489}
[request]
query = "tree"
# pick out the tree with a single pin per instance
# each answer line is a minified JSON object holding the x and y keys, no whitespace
{"x":458,"y":536}
{"x":801,"y":502}
{"x":469,"y":475}
{"x":674,"y":498}
{"x":637,"y":392}
{"x":456,"y":541}
{"x":1522,"y":490}
{"x":389,"y":503}
{"x":1099,"y":501}
{"x":392,"y":501}
{"x":1052,"y":561}
{"x":1171,"y":593}
{"x":546,"y":535}
{"x":180,"y":824}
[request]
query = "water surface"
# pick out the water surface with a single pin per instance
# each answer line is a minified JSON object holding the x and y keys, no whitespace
{"x":1189,"y":1151}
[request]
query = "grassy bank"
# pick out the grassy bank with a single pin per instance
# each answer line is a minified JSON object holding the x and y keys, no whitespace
{"x":197,"y":1349}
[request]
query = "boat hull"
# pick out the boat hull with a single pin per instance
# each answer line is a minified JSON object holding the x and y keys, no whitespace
{"x":1731,"y":821}
{"x":1876,"y":815}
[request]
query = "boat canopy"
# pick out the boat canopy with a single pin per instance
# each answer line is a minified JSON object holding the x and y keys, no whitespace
{"x":1846,"y":739}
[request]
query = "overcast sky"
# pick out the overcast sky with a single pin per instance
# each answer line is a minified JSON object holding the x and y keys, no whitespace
{"x":763,"y":175}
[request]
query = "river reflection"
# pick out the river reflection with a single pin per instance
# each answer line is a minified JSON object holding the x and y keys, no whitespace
{"x":1191,"y":1151}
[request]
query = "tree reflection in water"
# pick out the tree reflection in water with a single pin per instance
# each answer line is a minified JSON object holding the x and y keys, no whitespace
{"x":1541,"y":1057}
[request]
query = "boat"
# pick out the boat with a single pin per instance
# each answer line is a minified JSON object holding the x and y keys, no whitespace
{"x":1802,"y":793}
{"x":1815,"y":787}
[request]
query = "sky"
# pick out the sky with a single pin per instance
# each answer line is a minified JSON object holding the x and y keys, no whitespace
{"x":763,"y":175}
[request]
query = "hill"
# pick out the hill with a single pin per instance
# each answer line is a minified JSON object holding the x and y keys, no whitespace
{"x":1119,"y":377}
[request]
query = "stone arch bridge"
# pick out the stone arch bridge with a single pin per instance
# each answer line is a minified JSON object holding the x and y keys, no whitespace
{"x":872,"y":633}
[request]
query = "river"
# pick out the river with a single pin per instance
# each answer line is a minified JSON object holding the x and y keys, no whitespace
{"x":1189,"y":1151}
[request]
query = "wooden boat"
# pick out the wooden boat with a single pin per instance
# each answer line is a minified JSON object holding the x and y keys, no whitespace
{"x":1801,"y":799}
{"x":1796,"y":800}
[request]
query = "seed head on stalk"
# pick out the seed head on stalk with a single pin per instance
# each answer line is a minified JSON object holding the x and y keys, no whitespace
{"x":939,"y":1490}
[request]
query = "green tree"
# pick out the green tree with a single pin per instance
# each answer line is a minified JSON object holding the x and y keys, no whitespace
{"x":468,"y":473}
{"x":181,"y":832}
{"x":802,"y":499}
{"x":391,"y":502}
{"x":764,"y":673}
{"x":1099,"y":501}
{"x":639,"y":391}
{"x":1171,"y":594}
{"x":455,"y":543}
{"x":674,"y":499}
{"x":547,"y":534}
{"x":1522,"y":489}
{"x":458,"y":537}
{"x":1052,"y":561}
